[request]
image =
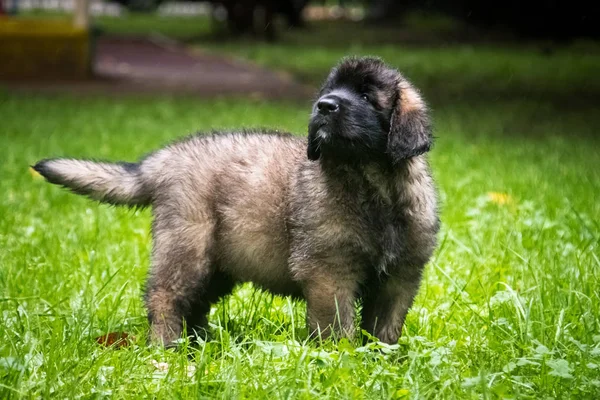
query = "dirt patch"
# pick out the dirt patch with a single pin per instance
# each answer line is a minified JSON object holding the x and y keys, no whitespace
{"x":157,"y":65}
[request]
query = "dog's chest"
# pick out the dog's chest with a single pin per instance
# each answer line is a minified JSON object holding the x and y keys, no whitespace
{"x":384,"y":233}
{"x":401,"y":214}
{"x":369,"y":218}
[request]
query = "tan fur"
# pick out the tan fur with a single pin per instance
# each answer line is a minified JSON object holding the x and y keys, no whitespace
{"x":410,"y":99}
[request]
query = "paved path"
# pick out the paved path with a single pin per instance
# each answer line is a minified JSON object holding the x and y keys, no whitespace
{"x":143,"y":65}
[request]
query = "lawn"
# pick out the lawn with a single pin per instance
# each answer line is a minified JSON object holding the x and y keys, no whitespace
{"x":510,"y":303}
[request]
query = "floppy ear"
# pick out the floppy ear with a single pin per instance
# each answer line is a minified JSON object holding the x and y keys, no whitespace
{"x":313,"y":151}
{"x":410,"y":128}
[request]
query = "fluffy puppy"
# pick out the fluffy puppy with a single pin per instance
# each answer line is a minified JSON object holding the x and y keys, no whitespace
{"x":349,"y":216}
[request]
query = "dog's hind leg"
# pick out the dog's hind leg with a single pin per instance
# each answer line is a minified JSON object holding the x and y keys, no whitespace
{"x":179,"y":285}
{"x":219,"y":286}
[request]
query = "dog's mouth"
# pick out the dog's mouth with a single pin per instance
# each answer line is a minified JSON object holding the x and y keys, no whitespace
{"x":322,"y":132}
{"x":318,"y":130}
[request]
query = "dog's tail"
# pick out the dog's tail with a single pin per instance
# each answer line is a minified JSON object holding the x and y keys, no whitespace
{"x":114,"y":183}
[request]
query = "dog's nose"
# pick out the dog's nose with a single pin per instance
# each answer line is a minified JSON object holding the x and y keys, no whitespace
{"x":327,"y":105}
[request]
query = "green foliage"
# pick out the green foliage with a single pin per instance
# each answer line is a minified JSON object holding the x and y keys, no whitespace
{"x":509,"y":306}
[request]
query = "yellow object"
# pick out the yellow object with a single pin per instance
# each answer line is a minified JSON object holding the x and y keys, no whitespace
{"x":500,"y":198}
{"x":42,"y":48}
{"x":401,"y":394}
{"x":34,"y":173}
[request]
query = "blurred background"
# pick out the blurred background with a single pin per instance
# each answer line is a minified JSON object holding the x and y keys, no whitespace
{"x":138,"y":45}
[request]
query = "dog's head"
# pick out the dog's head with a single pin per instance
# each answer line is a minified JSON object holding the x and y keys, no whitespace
{"x":366,"y":109}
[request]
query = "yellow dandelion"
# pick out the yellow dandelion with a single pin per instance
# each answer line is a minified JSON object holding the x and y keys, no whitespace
{"x":500,"y":198}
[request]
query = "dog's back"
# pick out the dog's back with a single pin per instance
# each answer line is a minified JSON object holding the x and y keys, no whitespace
{"x":184,"y":167}
{"x":240,"y":184}
{"x":231,"y":187}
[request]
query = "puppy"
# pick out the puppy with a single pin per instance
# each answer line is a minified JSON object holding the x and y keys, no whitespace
{"x":349,"y":216}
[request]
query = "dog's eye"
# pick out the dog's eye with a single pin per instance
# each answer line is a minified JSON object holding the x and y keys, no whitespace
{"x":365,"y":97}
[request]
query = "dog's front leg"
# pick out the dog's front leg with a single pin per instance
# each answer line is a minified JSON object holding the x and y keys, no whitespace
{"x":384,"y":310}
{"x":330,"y":300}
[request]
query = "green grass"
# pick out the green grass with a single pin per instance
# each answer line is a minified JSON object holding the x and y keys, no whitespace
{"x":441,"y":56}
{"x":509,"y":306}
{"x":446,"y":60}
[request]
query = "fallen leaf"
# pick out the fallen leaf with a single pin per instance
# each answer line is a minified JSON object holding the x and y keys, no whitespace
{"x":116,"y":339}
